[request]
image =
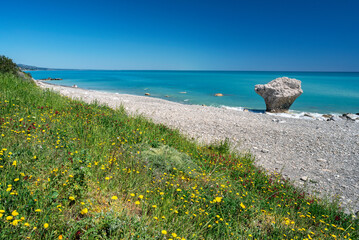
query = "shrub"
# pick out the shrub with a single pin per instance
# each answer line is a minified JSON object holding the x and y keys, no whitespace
{"x":165,"y":158}
{"x":7,"y":65}
{"x":222,"y":147}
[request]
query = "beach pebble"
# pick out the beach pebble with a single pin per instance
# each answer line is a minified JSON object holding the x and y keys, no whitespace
{"x":308,"y":115}
{"x":304,"y":178}
{"x":327,"y":116}
{"x":335,"y":118}
{"x":321,"y":160}
{"x":352,"y":116}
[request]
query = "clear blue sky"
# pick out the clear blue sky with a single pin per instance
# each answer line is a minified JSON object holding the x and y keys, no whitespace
{"x":303,"y":35}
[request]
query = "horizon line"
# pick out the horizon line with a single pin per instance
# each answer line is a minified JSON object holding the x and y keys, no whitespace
{"x":184,"y":70}
{"x":36,"y":68}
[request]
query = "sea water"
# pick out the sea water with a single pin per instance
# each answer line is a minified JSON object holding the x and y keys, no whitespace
{"x":323,"y":92}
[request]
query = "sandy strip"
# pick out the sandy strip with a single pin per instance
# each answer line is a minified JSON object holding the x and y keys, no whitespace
{"x":322,"y":156}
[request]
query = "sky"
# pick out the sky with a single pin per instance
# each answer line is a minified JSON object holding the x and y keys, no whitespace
{"x":258,"y":35}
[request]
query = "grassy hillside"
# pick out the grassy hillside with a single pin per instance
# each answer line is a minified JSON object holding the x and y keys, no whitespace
{"x":70,"y":170}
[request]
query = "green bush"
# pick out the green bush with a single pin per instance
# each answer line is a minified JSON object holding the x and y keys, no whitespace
{"x":222,"y":147}
{"x":7,"y":65}
{"x":166,"y":158}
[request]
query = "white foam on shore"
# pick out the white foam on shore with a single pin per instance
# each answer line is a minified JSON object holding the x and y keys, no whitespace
{"x":300,"y":115}
{"x":290,"y":114}
{"x":240,"y":109}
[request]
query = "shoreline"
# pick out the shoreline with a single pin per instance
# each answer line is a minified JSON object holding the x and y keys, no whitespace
{"x":332,"y":116}
{"x":322,"y":156}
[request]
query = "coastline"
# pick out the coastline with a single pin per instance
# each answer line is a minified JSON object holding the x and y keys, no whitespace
{"x":321,"y":155}
{"x":324,"y":93}
{"x":302,"y":114}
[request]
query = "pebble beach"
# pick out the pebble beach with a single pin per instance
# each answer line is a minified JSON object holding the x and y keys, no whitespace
{"x":320,"y":156}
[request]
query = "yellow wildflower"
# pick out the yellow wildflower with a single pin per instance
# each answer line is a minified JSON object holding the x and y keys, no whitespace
{"x":15,"y":222}
{"x":137,"y":202}
{"x":14,"y":213}
{"x":114,"y":198}
{"x":242,"y":205}
{"x":218,"y":199}
{"x":38,"y":210}
{"x":84,"y":211}
{"x":164,"y":232}
{"x":46,"y":225}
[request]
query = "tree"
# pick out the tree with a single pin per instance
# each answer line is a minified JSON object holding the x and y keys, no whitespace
{"x":7,"y":65}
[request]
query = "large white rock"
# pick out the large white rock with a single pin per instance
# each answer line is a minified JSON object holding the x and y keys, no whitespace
{"x":280,"y":93}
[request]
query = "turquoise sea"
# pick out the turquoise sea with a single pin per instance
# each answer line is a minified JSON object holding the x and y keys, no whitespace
{"x":324,"y":92}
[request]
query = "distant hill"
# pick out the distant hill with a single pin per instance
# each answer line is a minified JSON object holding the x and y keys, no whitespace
{"x":24,"y":67}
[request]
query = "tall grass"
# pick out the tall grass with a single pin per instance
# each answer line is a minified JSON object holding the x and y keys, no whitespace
{"x":70,"y":170}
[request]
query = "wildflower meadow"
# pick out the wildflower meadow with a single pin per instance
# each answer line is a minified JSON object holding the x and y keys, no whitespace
{"x":70,"y":170}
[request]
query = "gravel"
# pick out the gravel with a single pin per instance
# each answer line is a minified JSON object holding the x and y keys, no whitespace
{"x":320,"y":156}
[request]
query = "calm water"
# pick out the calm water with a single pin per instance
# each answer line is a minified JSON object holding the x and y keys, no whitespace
{"x":323,"y":92}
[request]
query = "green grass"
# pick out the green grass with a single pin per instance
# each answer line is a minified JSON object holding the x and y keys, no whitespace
{"x":72,"y":170}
